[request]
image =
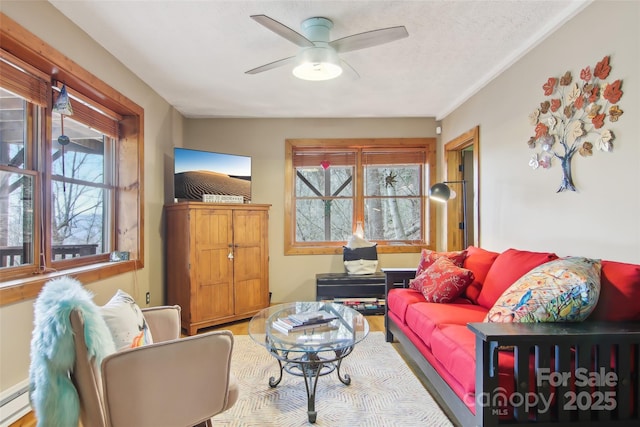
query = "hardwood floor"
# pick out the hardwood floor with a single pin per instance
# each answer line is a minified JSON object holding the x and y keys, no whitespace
{"x":28,"y":420}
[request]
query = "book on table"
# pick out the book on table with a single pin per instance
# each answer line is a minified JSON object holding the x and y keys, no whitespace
{"x":285,"y":325}
{"x":311,"y":317}
{"x":305,"y":320}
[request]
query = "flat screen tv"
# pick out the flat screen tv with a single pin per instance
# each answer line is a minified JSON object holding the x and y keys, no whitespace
{"x":199,"y":172}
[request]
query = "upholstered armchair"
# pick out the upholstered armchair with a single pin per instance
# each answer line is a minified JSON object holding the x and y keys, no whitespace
{"x":172,"y":382}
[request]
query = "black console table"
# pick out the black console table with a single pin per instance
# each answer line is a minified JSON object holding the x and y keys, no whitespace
{"x":365,"y":293}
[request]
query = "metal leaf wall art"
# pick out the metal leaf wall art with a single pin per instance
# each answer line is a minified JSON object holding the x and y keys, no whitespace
{"x":575,"y":118}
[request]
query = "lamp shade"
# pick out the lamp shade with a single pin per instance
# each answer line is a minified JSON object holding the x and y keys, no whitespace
{"x":317,"y":63}
{"x":440,"y":192}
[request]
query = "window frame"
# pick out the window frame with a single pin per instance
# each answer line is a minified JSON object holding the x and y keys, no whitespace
{"x":291,"y":247}
{"x":22,"y":282}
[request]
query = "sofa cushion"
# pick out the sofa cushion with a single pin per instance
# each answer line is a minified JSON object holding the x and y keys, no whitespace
{"x":454,"y":347}
{"x":563,"y":290}
{"x":400,"y":298}
{"x":508,"y":267}
{"x":479,"y":261}
{"x":443,"y":281}
{"x":424,"y":317}
{"x":619,"y":293}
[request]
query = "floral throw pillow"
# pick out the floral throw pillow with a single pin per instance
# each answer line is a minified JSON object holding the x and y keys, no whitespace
{"x":563,"y":290}
{"x":443,"y":281}
{"x":428,"y":257}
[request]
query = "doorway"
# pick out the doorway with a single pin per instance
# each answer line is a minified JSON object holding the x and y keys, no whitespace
{"x":461,"y":156}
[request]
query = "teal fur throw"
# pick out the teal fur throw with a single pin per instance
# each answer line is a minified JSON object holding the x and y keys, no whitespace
{"x":51,"y":391}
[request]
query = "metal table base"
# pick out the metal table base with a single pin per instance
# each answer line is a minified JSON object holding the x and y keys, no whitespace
{"x":311,"y":366}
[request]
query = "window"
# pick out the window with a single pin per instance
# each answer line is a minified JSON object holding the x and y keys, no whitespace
{"x":17,"y":178}
{"x":82,"y":189}
{"x":334,"y":186}
{"x":70,"y":184}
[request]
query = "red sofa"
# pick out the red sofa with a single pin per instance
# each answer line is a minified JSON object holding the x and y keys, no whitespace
{"x":514,"y":373}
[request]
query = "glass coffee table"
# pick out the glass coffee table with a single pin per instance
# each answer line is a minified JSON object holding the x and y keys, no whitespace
{"x":314,"y":351}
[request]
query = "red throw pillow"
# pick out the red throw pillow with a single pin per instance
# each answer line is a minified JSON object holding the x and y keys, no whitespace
{"x":619,"y":293}
{"x":443,"y":281}
{"x":510,"y":265}
{"x":428,"y":257}
{"x":479,"y":261}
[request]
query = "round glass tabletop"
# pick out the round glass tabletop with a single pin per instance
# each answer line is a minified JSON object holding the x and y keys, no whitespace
{"x":332,"y":327}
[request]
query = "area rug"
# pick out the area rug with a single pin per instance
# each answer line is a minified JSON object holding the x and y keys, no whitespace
{"x":383,"y":391}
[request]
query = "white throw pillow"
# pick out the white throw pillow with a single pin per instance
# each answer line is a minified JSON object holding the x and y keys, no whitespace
{"x":126,"y":322}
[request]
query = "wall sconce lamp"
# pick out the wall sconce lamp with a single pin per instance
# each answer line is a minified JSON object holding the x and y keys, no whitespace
{"x":441,"y":192}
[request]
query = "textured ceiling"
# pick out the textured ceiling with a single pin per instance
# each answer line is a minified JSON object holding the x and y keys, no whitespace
{"x":195,"y":53}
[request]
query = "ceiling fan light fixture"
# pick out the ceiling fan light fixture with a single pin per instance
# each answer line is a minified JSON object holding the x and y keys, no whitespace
{"x":317,"y":64}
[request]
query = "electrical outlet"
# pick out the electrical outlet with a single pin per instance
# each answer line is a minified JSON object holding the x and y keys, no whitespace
{"x":148,"y":297}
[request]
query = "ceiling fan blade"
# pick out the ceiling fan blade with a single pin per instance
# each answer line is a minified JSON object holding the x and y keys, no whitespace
{"x":282,"y":30}
{"x":369,"y":39}
{"x":271,"y":65}
{"x":355,"y":74}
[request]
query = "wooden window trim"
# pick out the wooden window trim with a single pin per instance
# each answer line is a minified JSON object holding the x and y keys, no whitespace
{"x":292,"y":248}
{"x":21,"y":284}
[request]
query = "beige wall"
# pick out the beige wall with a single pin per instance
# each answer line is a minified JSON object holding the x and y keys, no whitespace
{"x":293,"y":277}
{"x":162,"y":128}
{"x":519,"y":206}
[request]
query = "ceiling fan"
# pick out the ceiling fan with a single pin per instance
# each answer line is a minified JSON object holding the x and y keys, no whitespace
{"x":318,"y":59}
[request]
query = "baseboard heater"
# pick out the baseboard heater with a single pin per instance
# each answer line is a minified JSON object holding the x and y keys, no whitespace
{"x":14,"y":403}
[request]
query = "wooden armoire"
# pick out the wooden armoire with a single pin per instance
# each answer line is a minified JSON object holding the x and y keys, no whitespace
{"x":217,"y":261}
